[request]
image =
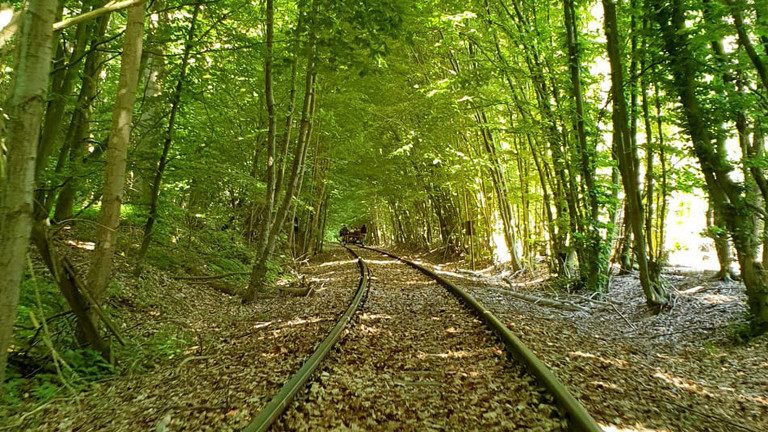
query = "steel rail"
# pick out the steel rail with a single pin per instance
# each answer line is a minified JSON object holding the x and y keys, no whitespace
{"x":279,"y":403}
{"x":579,"y":420}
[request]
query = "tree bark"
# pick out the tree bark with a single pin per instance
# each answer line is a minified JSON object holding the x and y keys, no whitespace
{"x":63,"y":81}
{"x":163,"y":162}
{"x":627,"y":157}
{"x":726,"y":195}
{"x":592,"y":260}
{"x":100,"y":270}
{"x":79,"y":126}
{"x":16,"y":188}
{"x":259,"y":271}
{"x":148,"y":129}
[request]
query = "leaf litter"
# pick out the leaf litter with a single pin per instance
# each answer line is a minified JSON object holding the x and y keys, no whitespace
{"x":635,"y":370}
{"x":416,"y":359}
{"x":228,"y":358}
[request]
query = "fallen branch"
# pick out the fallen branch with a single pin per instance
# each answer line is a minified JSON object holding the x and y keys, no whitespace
{"x":622,"y":315}
{"x":472,"y":273}
{"x":653,"y":336}
{"x":298,"y":292}
{"x":544,"y":301}
{"x":200,"y":278}
{"x":600,"y":302}
{"x":189,"y":359}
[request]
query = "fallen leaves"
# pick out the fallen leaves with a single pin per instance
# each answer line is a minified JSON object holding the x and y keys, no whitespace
{"x":238,"y":357}
{"x":417,"y":360}
{"x":637,"y":371}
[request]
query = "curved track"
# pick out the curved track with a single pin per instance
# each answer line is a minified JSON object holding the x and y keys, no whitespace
{"x":417,"y":360}
{"x":272,"y":411}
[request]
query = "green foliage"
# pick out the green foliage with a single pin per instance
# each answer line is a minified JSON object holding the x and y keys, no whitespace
{"x":743,"y":332}
{"x":87,"y":364}
{"x":429,"y":115}
{"x":167,"y":344}
{"x":84,"y":367}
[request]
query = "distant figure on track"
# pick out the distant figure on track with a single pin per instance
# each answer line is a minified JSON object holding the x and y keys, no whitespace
{"x":343,"y":233}
{"x":363,"y":230}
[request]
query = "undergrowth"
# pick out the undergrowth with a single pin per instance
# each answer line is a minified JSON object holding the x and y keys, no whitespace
{"x":46,"y":361}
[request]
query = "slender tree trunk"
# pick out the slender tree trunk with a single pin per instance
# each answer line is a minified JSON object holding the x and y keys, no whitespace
{"x":163,"y":162}
{"x":627,"y":157}
{"x":259,"y":271}
{"x":501,"y":189}
{"x":717,"y":231}
{"x":590,"y":246}
{"x":321,"y":232}
{"x":79,"y":126}
{"x":146,"y":154}
{"x":273,"y":226}
{"x":100,"y":270}
{"x":661,"y":217}
{"x":288,"y":126}
{"x":655,"y":248}
{"x":293,"y":189}
{"x":63,"y":78}
{"x":16,"y":188}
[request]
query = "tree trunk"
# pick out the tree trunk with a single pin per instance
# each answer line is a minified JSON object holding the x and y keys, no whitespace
{"x":259,"y":271}
{"x":627,"y":157}
{"x":288,"y":126}
{"x":100,"y":270}
{"x":73,"y":289}
{"x":726,"y":194}
{"x":163,"y":162}
{"x":590,"y":245}
{"x":63,"y":81}
{"x":717,"y":231}
{"x":16,"y":188}
{"x":146,"y":151}
{"x":79,"y":126}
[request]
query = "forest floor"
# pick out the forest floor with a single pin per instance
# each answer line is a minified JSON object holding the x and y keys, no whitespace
{"x":684,"y":369}
{"x":200,"y":360}
{"x":415,"y":359}
{"x":216,"y":361}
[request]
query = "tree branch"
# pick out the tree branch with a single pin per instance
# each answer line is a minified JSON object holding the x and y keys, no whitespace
{"x":109,"y":7}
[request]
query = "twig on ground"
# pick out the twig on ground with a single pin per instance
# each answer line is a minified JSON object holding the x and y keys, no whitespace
{"x":194,"y":278}
{"x":557,"y":304}
{"x":622,"y":315}
{"x":190,"y":358}
{"x":666,"y":334}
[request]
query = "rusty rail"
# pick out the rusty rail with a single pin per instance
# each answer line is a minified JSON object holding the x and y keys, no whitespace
{"x":579,"y":420}
{"x":272,"y":411}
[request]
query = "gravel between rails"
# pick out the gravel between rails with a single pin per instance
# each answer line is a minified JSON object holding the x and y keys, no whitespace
{"x":416,"y":359}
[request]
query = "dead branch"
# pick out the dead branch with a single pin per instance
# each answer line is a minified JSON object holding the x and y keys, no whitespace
{"x":201,"y":278}
{"x":298,"y":292}
{"x":622,"y":315}
{"x":562,"y":305}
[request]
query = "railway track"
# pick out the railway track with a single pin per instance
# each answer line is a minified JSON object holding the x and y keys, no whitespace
{"x":416,"y":359}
